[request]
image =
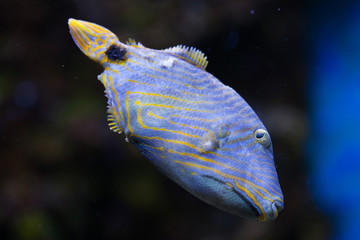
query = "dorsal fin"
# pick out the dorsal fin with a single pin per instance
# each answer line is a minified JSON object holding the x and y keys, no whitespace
{"x":132,"y":42}
{"x":191,"y":54}
{"x":113,"y":120}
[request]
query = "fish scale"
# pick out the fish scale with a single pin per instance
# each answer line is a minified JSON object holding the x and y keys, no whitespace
{"x":193,"y":128}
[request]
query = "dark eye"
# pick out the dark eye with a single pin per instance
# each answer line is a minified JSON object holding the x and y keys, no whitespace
{"x":115,"y":53}
{"x":262,"y":136}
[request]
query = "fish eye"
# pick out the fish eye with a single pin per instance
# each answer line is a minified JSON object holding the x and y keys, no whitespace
{"x":262,"y":137}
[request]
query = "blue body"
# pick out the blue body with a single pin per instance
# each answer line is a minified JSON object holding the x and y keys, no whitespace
{"x":196,"y":130}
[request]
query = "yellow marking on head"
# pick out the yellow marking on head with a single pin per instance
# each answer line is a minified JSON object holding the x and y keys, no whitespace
{"x":229,"y":184}
{"x":193,"y":173}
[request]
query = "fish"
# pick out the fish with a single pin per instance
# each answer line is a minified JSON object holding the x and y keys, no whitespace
{"x":197,"y":131}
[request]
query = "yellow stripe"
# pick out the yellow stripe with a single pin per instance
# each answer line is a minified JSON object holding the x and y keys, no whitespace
{"x":205,"y":120}
{"x":176,"y":75}
{"x":173,"y":107}
{"x":249,"y":194}
{"x":85,"y":36}
{"x":153,"y":115}
{"x":105,"y":42}
{"x":263,"y":215}
{"x":175,"y":123}
{"x":171,"y":97}
{"x":127,"y":111}
{"x":80,"y":39}
{"x":157,"y":56}
{"x":226,"y":166}
{"x":241,"y":139}
{"x":103,"y":79}
{"x":269,"y":177}
{"x":214,"y":153}
{"x":158,"y":148}
{"x":171,"y":141}
{"x":116,"y":96}
{"x":163,"y":129}
{"x":117,"y":118}
{"x":195,"y":94}
{"x":264,"y":190}
{"x":185,"y":125}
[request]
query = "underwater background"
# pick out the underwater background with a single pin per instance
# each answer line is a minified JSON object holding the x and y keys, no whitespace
{"x":65,"y":175}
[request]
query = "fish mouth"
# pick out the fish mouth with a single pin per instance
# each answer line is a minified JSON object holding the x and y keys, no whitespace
{"x":269,"y":211}
{"x":90,"y":37}
{"x":261,"y":207}
{"x":249,"y":204}
{"x":274,"y":209}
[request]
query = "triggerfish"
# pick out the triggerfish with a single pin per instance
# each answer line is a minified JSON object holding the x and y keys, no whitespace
{"x":193,"y":128}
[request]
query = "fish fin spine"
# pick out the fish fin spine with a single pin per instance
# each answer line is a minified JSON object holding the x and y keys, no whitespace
{"x":191,"y":54}
{"x":113,"y":122}
{"x":132,"y":42}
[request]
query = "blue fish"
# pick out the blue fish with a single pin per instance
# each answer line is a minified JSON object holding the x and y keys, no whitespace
{"x":193,"y":128}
